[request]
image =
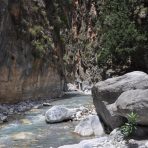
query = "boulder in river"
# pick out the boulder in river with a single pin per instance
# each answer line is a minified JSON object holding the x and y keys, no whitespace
{"x":89,"y":126}
{"x":58,"y":114}
{"x":107,"y":92}
{"x":132,"y":101}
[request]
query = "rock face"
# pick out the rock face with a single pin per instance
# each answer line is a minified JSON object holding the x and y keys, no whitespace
{"x":28,"y":68}
{"x":107,"y":92}
{"x":132,"y":101}
{"x":58,"y":114}
{"x":89,"y":126}
{"x":35,"y":85}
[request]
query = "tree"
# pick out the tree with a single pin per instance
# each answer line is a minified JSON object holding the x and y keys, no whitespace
{"x":122,"y":33}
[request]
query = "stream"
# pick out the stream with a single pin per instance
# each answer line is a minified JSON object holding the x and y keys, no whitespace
{"x":31,"y":130}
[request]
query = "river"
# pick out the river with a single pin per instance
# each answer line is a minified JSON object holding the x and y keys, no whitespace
{"x":31,"y":130}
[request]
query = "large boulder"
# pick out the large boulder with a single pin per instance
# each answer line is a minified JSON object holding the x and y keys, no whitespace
{"x":132,"y":101}
{"x":89,"y":126}
{"x":106,"y":92}
{"x":59,"y":113}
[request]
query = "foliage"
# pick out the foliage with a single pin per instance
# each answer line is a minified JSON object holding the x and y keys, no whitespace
{"x":35,"y":30}
{"x":121,"y":33}
{"x":41,"y":41}
{"x":129,"y":128}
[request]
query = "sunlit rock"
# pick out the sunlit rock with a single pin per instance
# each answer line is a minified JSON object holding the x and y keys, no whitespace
{"x":89,"y":126}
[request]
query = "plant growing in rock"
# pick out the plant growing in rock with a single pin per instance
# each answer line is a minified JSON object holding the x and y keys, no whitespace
{"x":129,"y":128}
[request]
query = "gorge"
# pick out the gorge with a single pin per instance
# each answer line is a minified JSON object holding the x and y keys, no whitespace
{"x":49,"y":49}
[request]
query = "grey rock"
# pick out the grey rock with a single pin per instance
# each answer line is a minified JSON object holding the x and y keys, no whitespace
{"x":91,"y":125}
{"x":137,"y":143}
{"x":102,"y":142}
{"x":87,"y":143}
{"x":59,"y":114}
{"x":141,"y":132}
{"x":4,"y":109}
{"x":21,"y":108}
{"x":106,"y":93}
{"x":3,"y":118}
{"x":132,"y":101}
{"x":116,"y":135}
{"x":11,"y":110}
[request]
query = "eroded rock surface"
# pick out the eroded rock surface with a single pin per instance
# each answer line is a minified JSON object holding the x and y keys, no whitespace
{"x":58,"y":114}
{"x":132,"y":101}
{"x":107,"y":92}
{"x":28,"y":71}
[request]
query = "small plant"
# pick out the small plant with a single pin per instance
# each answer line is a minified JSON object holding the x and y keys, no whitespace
{"x":36,"y":30}
{"x":129,"y":128}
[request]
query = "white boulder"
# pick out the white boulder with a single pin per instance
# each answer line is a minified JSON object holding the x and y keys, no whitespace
{"x":58,"y":114}
{"x":91,"y":125}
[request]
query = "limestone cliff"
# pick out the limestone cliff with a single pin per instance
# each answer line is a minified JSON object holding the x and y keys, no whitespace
{"x":30,"y":65}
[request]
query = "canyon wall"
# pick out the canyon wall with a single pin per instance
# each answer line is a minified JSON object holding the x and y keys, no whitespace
{"x":30,"y":65}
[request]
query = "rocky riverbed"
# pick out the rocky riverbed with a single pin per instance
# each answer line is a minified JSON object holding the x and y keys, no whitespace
{"x":30,"y":130}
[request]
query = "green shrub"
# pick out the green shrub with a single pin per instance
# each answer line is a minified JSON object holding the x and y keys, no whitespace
{"x":129,"y":128}
{"x":39,"y":50}
{"x":35,"y":30}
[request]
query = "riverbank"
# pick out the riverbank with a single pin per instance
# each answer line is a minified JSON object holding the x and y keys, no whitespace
{"x":9,"y":111}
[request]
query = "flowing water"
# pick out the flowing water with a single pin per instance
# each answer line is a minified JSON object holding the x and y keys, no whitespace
{"x":31,"y":130}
